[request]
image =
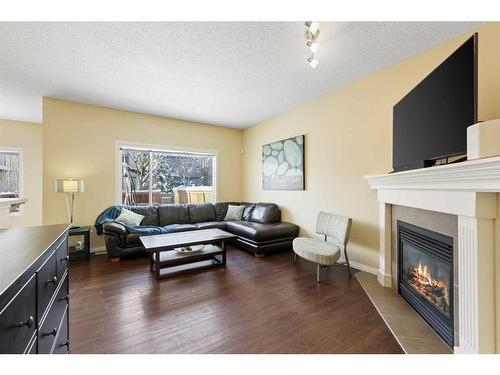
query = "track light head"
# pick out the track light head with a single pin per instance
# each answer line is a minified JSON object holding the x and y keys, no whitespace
{"x":313,"y":45}
{"x":313,"y":27}
{"x":312,"y":61}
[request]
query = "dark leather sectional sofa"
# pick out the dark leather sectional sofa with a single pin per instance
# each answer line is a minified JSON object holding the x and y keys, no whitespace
{"x":261,"y":231}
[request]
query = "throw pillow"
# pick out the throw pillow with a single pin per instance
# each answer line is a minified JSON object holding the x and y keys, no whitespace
{"x":234,"y":213}
{"x":129,"y":218}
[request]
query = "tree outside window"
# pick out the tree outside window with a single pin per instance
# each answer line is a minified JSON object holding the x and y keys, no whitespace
{"x":10,"y":175}
{"x":159,"y":177}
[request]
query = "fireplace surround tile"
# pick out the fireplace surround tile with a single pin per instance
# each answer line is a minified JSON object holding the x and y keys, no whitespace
{"x":404,"y":324}
{"x":409,"y":329}
{"x":415,"y":345}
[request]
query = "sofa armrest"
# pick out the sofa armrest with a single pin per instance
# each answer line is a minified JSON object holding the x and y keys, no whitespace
{"x":114,"y":227}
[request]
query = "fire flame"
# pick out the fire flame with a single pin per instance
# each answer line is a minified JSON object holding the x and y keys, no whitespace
{"x":425,"y":278}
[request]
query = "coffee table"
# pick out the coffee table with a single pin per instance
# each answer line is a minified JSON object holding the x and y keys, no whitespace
{"x":162,"y":254}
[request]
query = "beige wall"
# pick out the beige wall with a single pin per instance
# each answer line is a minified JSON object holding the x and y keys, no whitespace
{"x":28,"y":137}
{"x":79,"y":141}
{"x":349,"y":135}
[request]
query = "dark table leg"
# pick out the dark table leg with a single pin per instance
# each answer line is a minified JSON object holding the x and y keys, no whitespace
{"x":86,"y":238}
{"x":151,"y":262}
{"x":157,"y":269}
{"x":223,"y":246}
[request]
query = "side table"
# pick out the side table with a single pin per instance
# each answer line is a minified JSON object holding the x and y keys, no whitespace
{"x":84,"y":252}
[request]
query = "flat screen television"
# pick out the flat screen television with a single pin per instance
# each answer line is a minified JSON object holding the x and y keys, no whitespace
{"x":430,"y":122}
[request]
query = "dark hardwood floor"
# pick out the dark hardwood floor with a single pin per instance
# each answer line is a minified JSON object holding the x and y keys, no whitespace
{"x":267,"y":305}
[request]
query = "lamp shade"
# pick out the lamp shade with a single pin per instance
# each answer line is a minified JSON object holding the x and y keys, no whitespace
{"x":69,"y":185}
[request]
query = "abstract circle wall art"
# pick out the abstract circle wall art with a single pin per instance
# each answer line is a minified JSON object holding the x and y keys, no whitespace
{"x":283,"y":164}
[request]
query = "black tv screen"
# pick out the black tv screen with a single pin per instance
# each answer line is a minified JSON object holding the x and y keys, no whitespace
{"x":431,"y":121}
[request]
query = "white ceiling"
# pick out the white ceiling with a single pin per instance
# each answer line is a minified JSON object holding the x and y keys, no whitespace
{"x":232,"y":74}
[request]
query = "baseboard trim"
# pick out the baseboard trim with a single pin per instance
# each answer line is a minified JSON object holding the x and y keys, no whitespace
{"x":363,"y":267}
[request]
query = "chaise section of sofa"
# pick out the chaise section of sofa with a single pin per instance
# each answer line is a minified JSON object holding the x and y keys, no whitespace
{"x":260,"y":231}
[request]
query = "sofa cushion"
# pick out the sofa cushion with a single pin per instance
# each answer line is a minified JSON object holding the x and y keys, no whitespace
{"x":184,"y":228}
{"x":265,"y":213}
{"x":150,"y":214}
{"x":201,"y":212}
{"x":247,"y":213}
{"x":234,"y":213}
{"x":211,"y":225}
{"x":221,"y":209}
{"x":129,"y":218}
{"x":173,"y":214}
{"x":262,"y":232}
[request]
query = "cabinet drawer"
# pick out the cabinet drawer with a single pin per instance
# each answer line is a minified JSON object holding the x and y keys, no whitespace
{"x":62,"y":341}
{"x":62,"y":257}
{"x":50,"y":327}
{"x":18,"y":320}
{"x":47,"y":282}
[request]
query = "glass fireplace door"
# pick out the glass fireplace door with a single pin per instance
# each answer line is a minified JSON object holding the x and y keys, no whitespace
{"x":428,"y":276}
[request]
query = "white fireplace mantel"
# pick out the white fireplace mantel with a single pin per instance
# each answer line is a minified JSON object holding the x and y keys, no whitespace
{"x":482,"y":175}
{"x":469,"y":190}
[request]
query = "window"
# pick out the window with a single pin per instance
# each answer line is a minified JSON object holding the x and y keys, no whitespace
{"x":152,"y":176}
{"x":10,"y":173}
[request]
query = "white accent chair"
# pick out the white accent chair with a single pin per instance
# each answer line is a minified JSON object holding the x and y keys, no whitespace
{"x":325,"y":253}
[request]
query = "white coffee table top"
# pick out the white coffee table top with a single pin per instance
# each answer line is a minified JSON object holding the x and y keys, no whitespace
{"x":196,"y":237}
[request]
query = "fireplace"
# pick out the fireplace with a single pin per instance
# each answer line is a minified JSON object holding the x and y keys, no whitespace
{"x":425,"y":276}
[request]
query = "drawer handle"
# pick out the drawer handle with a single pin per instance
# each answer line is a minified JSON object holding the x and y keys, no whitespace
{"x":65,"y":259}
{"x":64,"y":298}
{"x":65,"y":344}
{"x":53,"y":281}
{"x":29,"y":323}
{"x":51,"y":333}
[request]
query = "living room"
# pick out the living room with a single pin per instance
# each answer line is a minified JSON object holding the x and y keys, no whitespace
{"x":161,"y":195}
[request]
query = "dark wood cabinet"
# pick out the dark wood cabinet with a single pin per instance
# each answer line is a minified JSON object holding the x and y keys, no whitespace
{"x":33,"y":347}
{"x":46,"y":284}
{"x":34,"y":290}
{"x":62,"y":344}
{"x":18,"y":320}
{"x":62,"y":258}
{"x":50,"y":326}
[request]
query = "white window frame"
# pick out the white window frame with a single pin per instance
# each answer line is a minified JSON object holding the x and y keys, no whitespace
{"x":19,"y":212}
{"x":160,"y":148}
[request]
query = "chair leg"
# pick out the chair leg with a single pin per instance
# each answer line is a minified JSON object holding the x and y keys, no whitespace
{"x":294,"y":257}
{"x":347,"y":262}
{"x":317,"y":273}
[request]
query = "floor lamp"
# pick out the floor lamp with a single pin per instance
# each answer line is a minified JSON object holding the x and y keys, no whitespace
{"x":70,"y":187}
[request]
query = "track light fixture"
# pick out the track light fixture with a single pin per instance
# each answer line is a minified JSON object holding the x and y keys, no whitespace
{"x":312,"y":36}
